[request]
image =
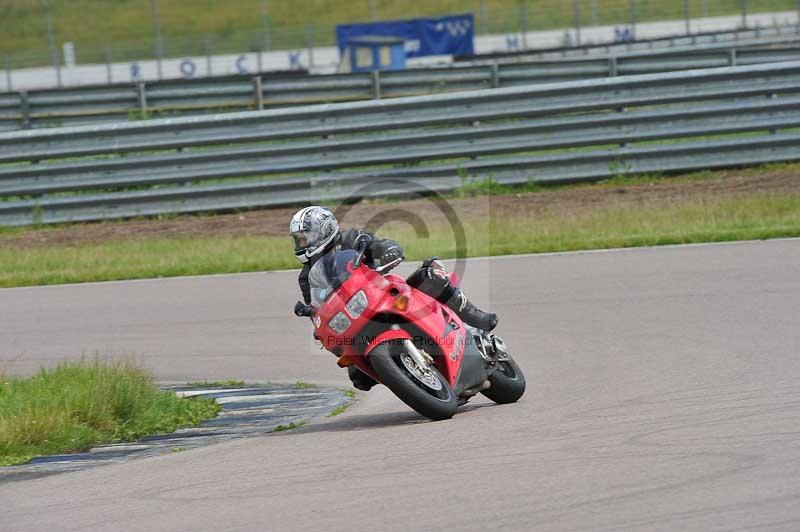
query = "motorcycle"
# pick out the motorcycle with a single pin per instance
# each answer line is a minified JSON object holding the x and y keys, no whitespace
{"x":405,"y":339}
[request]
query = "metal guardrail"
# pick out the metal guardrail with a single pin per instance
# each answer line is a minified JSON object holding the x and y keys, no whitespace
{"x":123,"y":102}
{"x":582,"y":130}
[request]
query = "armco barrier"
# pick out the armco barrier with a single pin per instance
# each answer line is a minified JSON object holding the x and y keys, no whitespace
{"x":561,"y":132}
{"x":125,"y":102}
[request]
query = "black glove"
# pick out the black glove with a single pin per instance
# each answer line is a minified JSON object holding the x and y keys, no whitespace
{"x":302,"y":310}
{"x":391,"y":253}
{"x":364,"y":239}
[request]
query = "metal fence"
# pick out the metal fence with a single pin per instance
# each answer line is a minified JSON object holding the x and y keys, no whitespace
{"x":158,"y":29}
{"x":85,"y":105}
{"x":562,"y":132}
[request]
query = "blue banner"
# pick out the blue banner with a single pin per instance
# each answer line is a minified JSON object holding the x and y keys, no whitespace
{"x":452,"y":35}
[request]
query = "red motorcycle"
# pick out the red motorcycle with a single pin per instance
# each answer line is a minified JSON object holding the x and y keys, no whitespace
{"x":405,"y":339}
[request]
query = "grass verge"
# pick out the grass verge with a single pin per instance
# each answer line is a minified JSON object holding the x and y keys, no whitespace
{"x":78,"y":405}
{"x":290,"y":426}
{"x":139,"y":259}
{"x":216,"y":384}
{"x":351,"y":393}
{"x":695,"y":221}
{"x":705,"y":219}
{"x":339,"y":410}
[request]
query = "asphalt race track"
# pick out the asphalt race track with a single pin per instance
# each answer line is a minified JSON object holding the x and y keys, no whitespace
{"x":663,"y":394}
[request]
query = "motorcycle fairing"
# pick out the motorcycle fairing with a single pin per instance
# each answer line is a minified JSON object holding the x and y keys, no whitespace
{"x":440,"y":327}
{"x":472,"y":369}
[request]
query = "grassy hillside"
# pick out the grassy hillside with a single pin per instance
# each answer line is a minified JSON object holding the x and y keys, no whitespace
{"x":126,"y":26}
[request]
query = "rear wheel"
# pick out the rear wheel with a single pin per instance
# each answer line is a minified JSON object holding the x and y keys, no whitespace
{"x":423,"y":389}
{"x":508,"y":383}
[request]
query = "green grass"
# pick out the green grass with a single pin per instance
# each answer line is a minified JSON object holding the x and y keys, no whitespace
{"x":304,"y":385}
{"x":708,"y":220}
{"x":78,"y":405}
{"x":758,"y":216}
{"x":290,"y":426}
{"x":339,"y":410}
{"x":349,"y":393}
{"x":236,"y":25}
{"x":216,"y":384}
{"x":137,"y":259}
{"x":695,"y":221}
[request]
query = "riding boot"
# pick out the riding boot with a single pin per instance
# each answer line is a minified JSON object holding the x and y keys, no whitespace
{"x":360,"y":380}
{"x":469,"y":313}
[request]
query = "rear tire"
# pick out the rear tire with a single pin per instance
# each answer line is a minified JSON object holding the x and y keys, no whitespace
{"x":508,"y":383}
{"x":433,"y":404}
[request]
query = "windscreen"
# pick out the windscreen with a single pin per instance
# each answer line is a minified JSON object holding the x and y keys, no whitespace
{"x":328,"y":274}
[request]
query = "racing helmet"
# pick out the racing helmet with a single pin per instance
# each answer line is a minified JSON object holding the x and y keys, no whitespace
{"x":315,"y":231}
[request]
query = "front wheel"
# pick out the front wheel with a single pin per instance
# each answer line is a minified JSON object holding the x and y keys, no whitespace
{"x":423,"y":389}
{"x":507,"y":383}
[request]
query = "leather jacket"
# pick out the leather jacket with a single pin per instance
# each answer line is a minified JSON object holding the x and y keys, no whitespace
{"x":377,"y":249}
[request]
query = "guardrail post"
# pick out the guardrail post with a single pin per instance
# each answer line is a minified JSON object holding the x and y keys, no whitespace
{"x":310,"y":45}
{"x":612,"y":66}
{"x":207,"y":52}
{"x":8,"y":73}
{"x":107,"y":53}
{"x":744,"y":13}
{"x":623,"y":110}
{"x":772,"y":96}
{"x":495,"y":75}
{"x":523,"y":23}
{"x":687,"y":17}
{"x":141,"y":94}
{"x":376,"y":84}
{"x":576,"y":15}
{"x":732,"y":57}
{"x":258,"y":94}
{"x":25,"y":110}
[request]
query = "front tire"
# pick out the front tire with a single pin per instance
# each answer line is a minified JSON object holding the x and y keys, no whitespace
{"x":435,"y":400}
{"x":508,"y":383}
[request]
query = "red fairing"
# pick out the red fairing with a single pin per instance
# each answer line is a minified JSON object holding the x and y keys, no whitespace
{"x":386,"y":336}
{"x":433,"y":327}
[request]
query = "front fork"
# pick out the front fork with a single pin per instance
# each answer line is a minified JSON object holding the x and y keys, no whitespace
{"x":421,"y":359}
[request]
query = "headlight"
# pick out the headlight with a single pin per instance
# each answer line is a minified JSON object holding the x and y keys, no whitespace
{"x":339,"y":323}
{"x":357,"y":304}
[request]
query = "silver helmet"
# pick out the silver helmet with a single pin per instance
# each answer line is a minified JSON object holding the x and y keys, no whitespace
{"x":315,"y":231}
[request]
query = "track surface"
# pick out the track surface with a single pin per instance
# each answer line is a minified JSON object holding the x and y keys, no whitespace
{"x":664,"y":394}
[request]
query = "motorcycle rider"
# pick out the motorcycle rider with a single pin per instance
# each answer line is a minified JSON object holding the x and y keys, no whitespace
{"x":315,"y":231}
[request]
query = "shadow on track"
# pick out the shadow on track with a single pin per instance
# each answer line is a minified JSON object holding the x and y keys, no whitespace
{"x":356,"y":422}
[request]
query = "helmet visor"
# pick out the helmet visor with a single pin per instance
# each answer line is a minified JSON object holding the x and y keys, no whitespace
{"x":303,"y":240}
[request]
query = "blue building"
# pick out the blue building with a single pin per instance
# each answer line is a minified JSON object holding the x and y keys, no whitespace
{"x":374,"y":52}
